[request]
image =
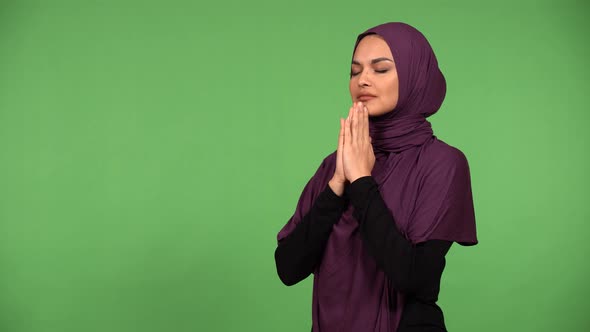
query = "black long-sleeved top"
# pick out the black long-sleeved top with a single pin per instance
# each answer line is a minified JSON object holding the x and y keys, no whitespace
{"x":413,"y":269}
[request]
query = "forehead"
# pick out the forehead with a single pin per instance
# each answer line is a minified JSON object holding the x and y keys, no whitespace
{"x":370,"y":47}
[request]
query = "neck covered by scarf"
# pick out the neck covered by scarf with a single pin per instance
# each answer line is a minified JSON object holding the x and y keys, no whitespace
{"x":424,"y":182}
{"x":398,"y":134}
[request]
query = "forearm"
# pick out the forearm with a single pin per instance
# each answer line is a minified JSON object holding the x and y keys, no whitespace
{"x":409,"y":266}
{"x":299,"y":253}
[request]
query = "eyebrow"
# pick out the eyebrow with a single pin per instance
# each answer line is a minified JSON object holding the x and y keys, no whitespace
{"x":354,"y":62}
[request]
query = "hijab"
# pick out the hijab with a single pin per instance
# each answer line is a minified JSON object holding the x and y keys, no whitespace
{"x":424,"y":182}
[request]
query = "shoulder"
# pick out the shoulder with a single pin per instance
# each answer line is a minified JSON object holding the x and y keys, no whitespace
{"x":443,"y":159}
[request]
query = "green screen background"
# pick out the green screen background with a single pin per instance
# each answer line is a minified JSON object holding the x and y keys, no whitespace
{"x":151,"y":151}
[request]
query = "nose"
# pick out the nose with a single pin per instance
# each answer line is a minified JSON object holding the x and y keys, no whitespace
{"x":364,"y":78}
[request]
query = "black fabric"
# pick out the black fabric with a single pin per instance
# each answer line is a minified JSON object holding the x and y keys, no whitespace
{"x":414,"y":269}
{"x":298,"y":254}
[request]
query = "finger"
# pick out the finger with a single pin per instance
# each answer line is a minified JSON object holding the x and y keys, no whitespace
{"x":341,"y":134}
{"x":349,"y":125}
{"x":361,"y":124}
{"x":366,"y":124}
{"x":355,"y":124}
{"x":347,"y":133}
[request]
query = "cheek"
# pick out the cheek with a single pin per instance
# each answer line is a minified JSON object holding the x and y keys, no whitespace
{"x":391,"y":83}
{"x":389,"y":101}
{"x":393,"y":91}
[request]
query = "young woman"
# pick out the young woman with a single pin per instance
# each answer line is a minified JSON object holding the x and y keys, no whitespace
{"x":376,"y":220}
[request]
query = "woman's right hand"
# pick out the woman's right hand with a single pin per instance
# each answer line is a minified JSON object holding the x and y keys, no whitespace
{"x":338,"y":181}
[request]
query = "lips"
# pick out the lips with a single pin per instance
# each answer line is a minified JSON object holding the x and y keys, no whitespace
{"x":365,"y":97}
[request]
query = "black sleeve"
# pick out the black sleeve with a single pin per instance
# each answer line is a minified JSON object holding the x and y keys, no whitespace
{"x":412,"y":268}
{"x":298,"y":254}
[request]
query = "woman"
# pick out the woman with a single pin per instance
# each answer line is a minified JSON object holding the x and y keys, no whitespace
{"x":376,"y":220}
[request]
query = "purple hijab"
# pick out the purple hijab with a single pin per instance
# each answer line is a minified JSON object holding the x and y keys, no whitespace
{"x":424,"y":182}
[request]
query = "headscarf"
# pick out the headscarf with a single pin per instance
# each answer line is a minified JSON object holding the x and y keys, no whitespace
{"x":424,"y":182}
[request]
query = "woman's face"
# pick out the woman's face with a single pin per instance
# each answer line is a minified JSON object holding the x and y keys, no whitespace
{"x":373,"y":77}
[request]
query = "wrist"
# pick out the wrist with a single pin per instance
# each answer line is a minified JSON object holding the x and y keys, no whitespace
{"x":337,"y":186}
{"x":358,"y":176}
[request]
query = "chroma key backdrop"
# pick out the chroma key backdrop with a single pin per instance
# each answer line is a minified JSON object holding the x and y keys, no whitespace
{"x":151,"y":151}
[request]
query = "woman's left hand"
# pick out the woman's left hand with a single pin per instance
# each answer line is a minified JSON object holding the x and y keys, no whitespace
{"x":358,"y":158}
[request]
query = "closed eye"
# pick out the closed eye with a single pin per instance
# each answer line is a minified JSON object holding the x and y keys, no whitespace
{"x":377,"y":71}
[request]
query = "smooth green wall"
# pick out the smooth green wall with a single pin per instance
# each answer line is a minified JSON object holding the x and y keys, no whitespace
{"x":151,"y":151}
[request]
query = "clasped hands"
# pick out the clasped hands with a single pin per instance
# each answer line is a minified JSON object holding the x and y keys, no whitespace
{"x":355,"y":157}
